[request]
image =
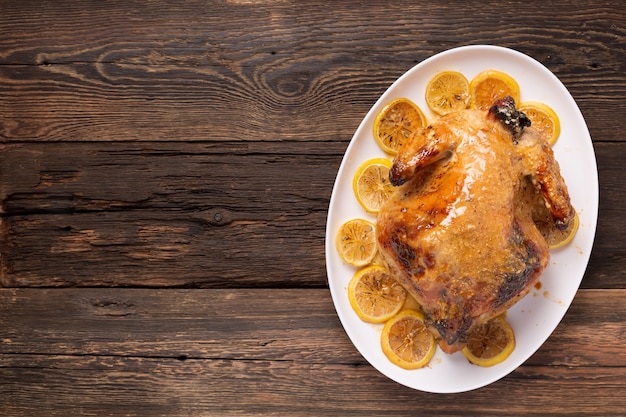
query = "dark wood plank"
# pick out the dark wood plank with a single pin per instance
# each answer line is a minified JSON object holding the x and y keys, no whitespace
{"x":201,"y":214}
{"x":158,"y":352}
{"x":272,"y":324}
{"x":35,"y":385}
{"x":50,"y":178}
{"x":204,"y":215}
{"x":207,"y":71}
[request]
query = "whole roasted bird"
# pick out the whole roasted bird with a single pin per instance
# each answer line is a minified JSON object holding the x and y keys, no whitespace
{"x":458,"y":231}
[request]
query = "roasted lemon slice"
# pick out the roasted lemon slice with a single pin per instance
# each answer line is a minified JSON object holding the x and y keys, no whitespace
{"x":396,"y":122}
{"x":447,"y":91}
{"x":490,"y":343}
{"x":375,"y":295}
{"x":491,"y":85}
{"x":371,"y":184}
{"x":543,"y":119}
{"x":356,"y":242}
{"x":406,"y":341}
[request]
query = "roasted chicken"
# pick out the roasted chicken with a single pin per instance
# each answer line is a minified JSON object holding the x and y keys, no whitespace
{"x":458,"y":231}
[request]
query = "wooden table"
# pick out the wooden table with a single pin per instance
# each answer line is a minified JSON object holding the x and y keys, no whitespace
{"x":165,"y":174}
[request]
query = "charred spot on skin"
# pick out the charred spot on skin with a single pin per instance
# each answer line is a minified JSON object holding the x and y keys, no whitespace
{"x":511,"y":118}
{"x":403,"y":251}
{"x":513,"y":283}
{"x":441,"y":325}
{"x":562,"y":224}
{"x":416,"y":262}
{"x":395,"y":174}
{"x":452,"y":330}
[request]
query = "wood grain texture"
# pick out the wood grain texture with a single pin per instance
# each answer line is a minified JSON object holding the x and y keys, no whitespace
{"x":153,"y":70}
{"x":259,"y":324}
{"x":165,"y":214}
{"x":165,"y":174}
{"x":111,"y":386}
{"x":56,"y":354}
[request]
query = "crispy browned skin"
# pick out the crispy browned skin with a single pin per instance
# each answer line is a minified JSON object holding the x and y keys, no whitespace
{"x":456,"y":232}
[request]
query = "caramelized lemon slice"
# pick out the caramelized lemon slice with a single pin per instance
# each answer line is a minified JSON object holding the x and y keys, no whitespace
{"x":396,"y":122}
{"x":491,"y":85}
{"x":490,"y":343}
{"x":371,"y":184}
{"x":406,"y":341}
{"x":447,"y":91}
{"x":375,"y":295}
{"x":543,"y":119}
{"x":356,"y":242}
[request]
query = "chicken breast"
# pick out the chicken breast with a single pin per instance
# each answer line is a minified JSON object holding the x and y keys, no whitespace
{"x":457,"y":232}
